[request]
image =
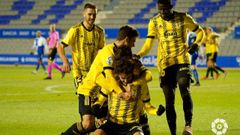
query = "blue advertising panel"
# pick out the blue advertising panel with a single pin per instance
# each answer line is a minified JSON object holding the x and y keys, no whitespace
{"x":148,"y":61}
{"x":22,"y":33}
{"x":111,"y":33}
{"x":237,"y":32}
{"x":26,"y":59}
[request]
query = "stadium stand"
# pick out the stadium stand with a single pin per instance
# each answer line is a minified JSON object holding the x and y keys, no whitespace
{"x":222,"y":15}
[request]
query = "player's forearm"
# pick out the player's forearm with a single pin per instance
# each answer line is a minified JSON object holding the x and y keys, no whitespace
{"x":146,"y":47}
{"x":62,"y":53}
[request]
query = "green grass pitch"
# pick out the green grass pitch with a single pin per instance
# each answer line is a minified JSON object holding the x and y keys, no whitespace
{"x":30,"y":105}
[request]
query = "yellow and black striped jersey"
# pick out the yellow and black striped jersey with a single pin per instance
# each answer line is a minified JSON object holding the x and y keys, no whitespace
{"x":211,"y":43}
{"x":171,"y":35}
{"x":85,"y":45}
{"x":123,"y":111}
{"x":103,"y":60}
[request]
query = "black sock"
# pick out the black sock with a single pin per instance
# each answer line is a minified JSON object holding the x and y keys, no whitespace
{"x":73,"y":130}
{"x":220,"y":69}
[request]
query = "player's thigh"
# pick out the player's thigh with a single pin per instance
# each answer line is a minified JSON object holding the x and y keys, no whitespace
{"x":138,"y":133}
{"x":88,"y":121}
{"x":85,"y":111}
{"x":99,"y":132}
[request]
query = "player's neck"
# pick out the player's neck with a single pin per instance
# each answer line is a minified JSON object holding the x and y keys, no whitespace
{"x":87,"y":25}
{"x":119,"y":43}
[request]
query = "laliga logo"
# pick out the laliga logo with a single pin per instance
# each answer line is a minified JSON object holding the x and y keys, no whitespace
{"x":238,"y":60}
{"x":219,"y":126}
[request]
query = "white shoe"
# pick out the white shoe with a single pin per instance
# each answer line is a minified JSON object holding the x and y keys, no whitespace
{"x":45,"y":72}
{"x":34,"y":72}
{"x":187,"y":130}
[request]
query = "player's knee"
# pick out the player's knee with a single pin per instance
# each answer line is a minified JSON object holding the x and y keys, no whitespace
{"x":99,"y":132}
{"x":183,"y":82}
{"x":146,"y":129}
{"x":88,"y":123}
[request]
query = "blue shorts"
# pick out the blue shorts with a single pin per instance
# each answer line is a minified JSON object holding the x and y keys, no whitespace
{"x":40,"y":52}
{"x":194,"y":58}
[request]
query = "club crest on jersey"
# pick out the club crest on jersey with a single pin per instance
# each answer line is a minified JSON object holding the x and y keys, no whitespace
{"x":168,"y":34}
{"x":109,"y":60}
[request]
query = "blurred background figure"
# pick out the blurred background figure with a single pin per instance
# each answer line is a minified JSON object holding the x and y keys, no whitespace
{"x":191,"y":37}
{"x":52,"y":52}
{"x":212,"y":49}
{"x":39,"y":45}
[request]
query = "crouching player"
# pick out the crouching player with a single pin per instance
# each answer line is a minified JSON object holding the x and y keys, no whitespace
{"x":123,"y":115}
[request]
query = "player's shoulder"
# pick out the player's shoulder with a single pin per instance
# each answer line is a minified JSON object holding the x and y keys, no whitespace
{"x":99,"y":28}
{"x":155,"y":17}
{"x":178,"y":13}
{"x":76,"y":26}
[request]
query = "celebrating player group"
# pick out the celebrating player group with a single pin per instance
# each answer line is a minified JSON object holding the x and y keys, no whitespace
{"x":112,"y":84}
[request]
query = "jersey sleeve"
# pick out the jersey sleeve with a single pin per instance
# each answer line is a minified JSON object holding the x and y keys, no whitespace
{"x":191,"y":23}
{"x":152,"y":31}
{"x":145,"y":77}
{"x":108,"y":83}
{"x":68,"y":40}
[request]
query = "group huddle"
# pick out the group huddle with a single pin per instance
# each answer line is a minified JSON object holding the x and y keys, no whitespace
{"x":111,"y":82}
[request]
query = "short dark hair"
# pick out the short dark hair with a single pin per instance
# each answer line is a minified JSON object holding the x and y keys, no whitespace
{"x":127,"y":31}
{"x":165,"y":2}
{"x":90,"y":5}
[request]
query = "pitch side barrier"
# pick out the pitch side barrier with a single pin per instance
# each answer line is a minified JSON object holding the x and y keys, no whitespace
{"x":148,"y":61}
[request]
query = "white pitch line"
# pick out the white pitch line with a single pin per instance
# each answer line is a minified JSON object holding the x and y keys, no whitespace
{"x":52,"y":89}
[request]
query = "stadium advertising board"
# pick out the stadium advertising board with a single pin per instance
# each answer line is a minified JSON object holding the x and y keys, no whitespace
{"x":22,"y":33}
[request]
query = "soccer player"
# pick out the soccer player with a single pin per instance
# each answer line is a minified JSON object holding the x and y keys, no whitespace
{"x":39,"y":44}
{"x":52,"y":45}
{"x":85,"y":39}
{"x":211,"y":44}
{"x":123,"y":115}
{"x":191,"y":37}
{"x":126,"y":37}
{"x":173,"y":58}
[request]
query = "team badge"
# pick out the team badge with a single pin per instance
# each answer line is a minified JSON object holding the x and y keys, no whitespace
{"x":109,"y":60}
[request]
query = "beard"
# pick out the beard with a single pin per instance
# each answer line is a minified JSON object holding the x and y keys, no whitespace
{"x":167,"y":16}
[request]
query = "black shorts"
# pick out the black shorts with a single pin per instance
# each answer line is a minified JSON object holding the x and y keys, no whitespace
{"x":84,"y":105}
{"x":173,"y":73}
{"x":111,"y":128}
{"x":52,"y":55}
{"x":212,"y":56}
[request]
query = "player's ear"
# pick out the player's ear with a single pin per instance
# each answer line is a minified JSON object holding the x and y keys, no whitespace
{"x":126,"y":39}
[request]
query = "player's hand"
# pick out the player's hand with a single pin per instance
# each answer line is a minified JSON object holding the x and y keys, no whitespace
{"x":135,"y":56}
{"x":161,"y":110}
{"x":100,"y":122}
{"x":66,"y":67}
{"x":125,"y":95}
{"x":192,"y":48}
{"x":31,"y":53}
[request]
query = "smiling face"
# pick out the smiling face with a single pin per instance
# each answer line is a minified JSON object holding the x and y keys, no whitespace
{"x":89,"y":15}
{"x":125,"y":78}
